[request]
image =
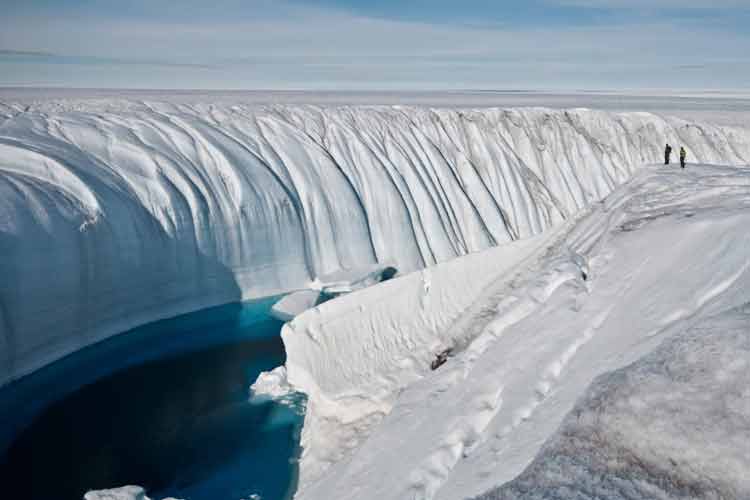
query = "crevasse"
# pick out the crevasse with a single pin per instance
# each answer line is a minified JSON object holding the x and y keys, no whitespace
{"x":113,"y":214}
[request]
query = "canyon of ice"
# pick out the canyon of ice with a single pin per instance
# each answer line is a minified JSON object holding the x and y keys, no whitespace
{"x":544,"y":252}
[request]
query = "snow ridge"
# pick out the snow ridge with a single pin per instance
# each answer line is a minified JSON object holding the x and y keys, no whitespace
{"x":116,"y":213}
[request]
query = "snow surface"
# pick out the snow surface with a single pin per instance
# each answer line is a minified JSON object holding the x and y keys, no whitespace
{"x":117,"y":212}
{"x":674,"y":425}
{"x":531,"y":324}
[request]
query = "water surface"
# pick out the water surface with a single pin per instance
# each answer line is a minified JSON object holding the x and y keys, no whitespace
{"x":164,"y":406}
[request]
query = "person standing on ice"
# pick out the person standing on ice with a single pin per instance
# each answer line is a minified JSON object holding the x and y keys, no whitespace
{"x":667,"y":154}
{"x":683,"y":155}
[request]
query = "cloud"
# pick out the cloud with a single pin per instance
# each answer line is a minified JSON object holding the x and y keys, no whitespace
{"x":656,"y":4}
{"x":283,"y":45}
{"x":24,"y":53}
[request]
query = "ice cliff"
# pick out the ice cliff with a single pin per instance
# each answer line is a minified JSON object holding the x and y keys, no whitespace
{"x":115,"y":213}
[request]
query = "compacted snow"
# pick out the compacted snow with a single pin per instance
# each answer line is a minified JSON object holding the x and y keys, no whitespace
{"x":117,"y":212}
{"x":675,"y":424}
{"x":528,"y":326}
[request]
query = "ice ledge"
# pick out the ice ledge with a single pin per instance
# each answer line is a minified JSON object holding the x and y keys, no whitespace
{"x":124,"y":493}
{"x":329,"y":286}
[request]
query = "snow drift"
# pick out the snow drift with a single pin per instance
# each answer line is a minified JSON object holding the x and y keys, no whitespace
{"x":116,"y":213}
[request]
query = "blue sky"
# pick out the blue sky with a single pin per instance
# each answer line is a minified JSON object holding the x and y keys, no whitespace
{"x":377,"y":45}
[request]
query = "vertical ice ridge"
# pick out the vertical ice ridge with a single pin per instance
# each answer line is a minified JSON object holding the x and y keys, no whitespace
{"x":147,"y":209}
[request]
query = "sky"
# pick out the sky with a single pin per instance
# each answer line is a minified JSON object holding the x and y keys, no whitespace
{"x":377,"y":45}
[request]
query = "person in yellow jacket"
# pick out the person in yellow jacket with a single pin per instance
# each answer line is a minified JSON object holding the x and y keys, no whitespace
{"x":683,"y":156}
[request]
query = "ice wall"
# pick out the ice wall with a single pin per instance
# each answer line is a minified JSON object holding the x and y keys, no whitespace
{"x":115,"y":213}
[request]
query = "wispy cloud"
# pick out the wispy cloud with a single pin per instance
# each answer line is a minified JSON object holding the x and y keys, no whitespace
{"x":24,"y":53}
{"x":37,"y":57}
{"x":656,"y":4}
{"x":286,"y":45}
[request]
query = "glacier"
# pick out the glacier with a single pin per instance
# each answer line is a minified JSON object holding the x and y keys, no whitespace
{"x":117,"y":212}
{"x":530,"y":325}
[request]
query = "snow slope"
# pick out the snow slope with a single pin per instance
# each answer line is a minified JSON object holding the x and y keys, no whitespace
{"x":674,"y":425}
{"x":531,"y":324}
{"x":114,"y":213}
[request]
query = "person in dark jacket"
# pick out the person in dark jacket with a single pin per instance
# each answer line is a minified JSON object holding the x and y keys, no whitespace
{"x":667,"y":154}
{"x":683,"y":156}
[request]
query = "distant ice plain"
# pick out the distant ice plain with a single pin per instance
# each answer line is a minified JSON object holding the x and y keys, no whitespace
{"x":718,"y":106}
